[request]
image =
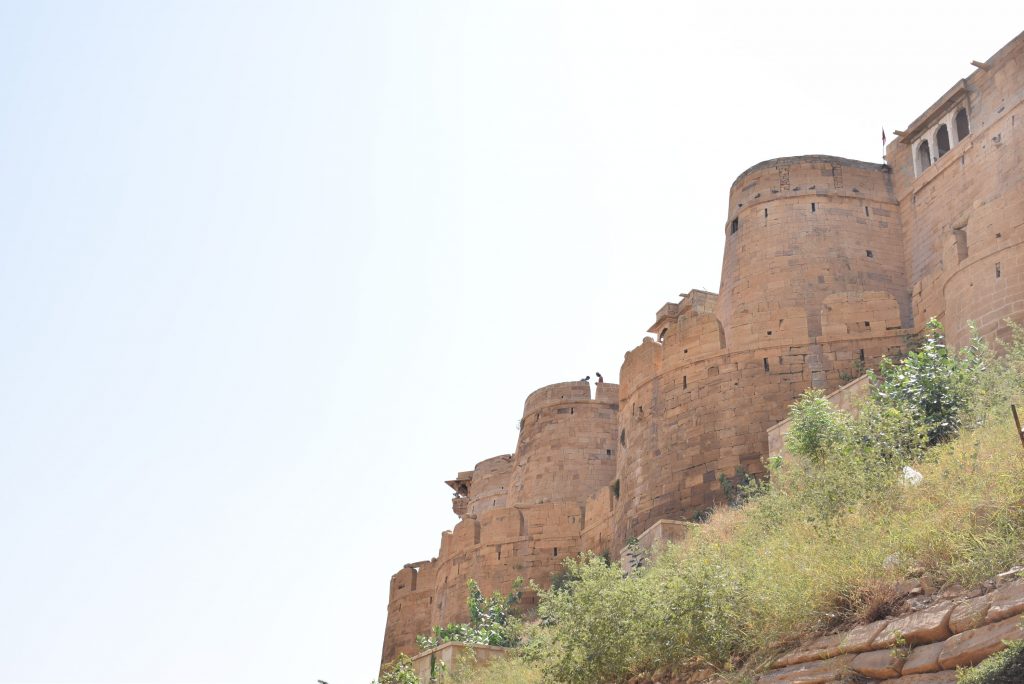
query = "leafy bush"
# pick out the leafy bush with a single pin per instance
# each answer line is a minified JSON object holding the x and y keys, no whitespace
{"x":491,"y":622}
{"x":398,"y":671}
{"x":930,"y":384}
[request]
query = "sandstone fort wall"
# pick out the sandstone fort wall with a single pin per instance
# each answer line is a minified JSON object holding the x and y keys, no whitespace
{"x":829,"y":265}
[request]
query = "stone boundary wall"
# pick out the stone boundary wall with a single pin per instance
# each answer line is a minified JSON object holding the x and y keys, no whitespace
{"x":448,"y":656}
{"x":923,"y":646}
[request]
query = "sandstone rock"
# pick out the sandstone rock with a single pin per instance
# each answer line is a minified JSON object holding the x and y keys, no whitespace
{"x":819,"y":649}
{"x":923,"y":659}
{"x":859,"y":639}
{"x":1010,"y":575}
{"x":973,"y":646}
{"x":831,"y":670}
{"x":922,"y":627}
{"x":932,"y":678}
{"x":878,"y":664}
{"x":969,"y":614}
{"x":1007,"y":600}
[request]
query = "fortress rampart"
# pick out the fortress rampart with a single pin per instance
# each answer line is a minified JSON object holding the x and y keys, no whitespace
{"x":521,"y":514}
{"x":829,"y":265}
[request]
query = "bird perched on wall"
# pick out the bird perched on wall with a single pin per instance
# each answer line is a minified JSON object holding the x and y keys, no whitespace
{"x":586,"y":379}
{"x":600,"y":378}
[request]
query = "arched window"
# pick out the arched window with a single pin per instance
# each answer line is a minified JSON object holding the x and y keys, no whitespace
{"x":924,"y":155}
{"x":942,"y":139}
{"x":963,"y":128}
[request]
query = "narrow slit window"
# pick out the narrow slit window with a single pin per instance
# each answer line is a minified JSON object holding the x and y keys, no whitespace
{"x":999,"y":270}
{"x":735,"y":226}
{"x":814,"y":207}
{"x":862,"y":356}
{"x":684,"y":382}
{"x":766,"y":213}
{"x":765,"y":362}
{"x":866,"y":212}
{"x":960,"y":235}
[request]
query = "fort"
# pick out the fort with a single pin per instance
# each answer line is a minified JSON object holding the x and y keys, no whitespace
{"x":829,"y":265}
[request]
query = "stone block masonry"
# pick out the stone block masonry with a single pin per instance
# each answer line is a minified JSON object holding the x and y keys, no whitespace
{"x":830,"y":264}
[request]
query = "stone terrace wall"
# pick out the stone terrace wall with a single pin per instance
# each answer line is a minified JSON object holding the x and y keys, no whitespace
{"x":963,"y":217}
{"x":923,"y":645}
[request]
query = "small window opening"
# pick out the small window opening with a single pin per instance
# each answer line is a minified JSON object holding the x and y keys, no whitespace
{"x":867,"y":324}
{"x":766,"y":213}
{"x":769,"y":332}
{"x":684,"y":382}
{"x":622,"y":437}
{"x":765,"y":361}
{"x":861,"y":356}
{"x":661,"y":337}
{"x":866,"y":212}
{"x":814,"y":207}
{"x":924,"y":155}
{"x":571,"y":411}
{"x":499,"y":553}
{"x":607,"y":452}
{"x":685,"y":351}
{"x":870,"y":253}
{"x":963,"y":128}
{"x":556,"y":551}
{"x":942,"y":140}
{"x":999,"y":270}
{"x":735,"y":226}
{"x":960,"y":235}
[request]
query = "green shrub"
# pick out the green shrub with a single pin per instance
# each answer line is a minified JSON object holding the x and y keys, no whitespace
{"x":398,"y":671}
{"x":931,"y":384}
{"x":491,"y":622}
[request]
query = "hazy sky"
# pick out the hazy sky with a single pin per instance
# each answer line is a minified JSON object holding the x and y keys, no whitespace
{"x":270,"y":272}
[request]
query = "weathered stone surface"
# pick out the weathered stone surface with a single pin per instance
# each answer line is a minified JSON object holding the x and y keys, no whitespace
{"x":973,"y":646}
{"x":878,"y":664}
{"x":1007,"y":600}
{"x":819,"y":649}
{"x":969,"y":614}
{"x":831,"y":670}
{"x":922,"y":627}
{"x":923,"y":659}
{"x":860,"y":638}
{"x":948,"y":677}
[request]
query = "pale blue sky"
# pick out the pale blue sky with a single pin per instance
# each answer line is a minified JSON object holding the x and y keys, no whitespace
{"x":270,"y":272}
